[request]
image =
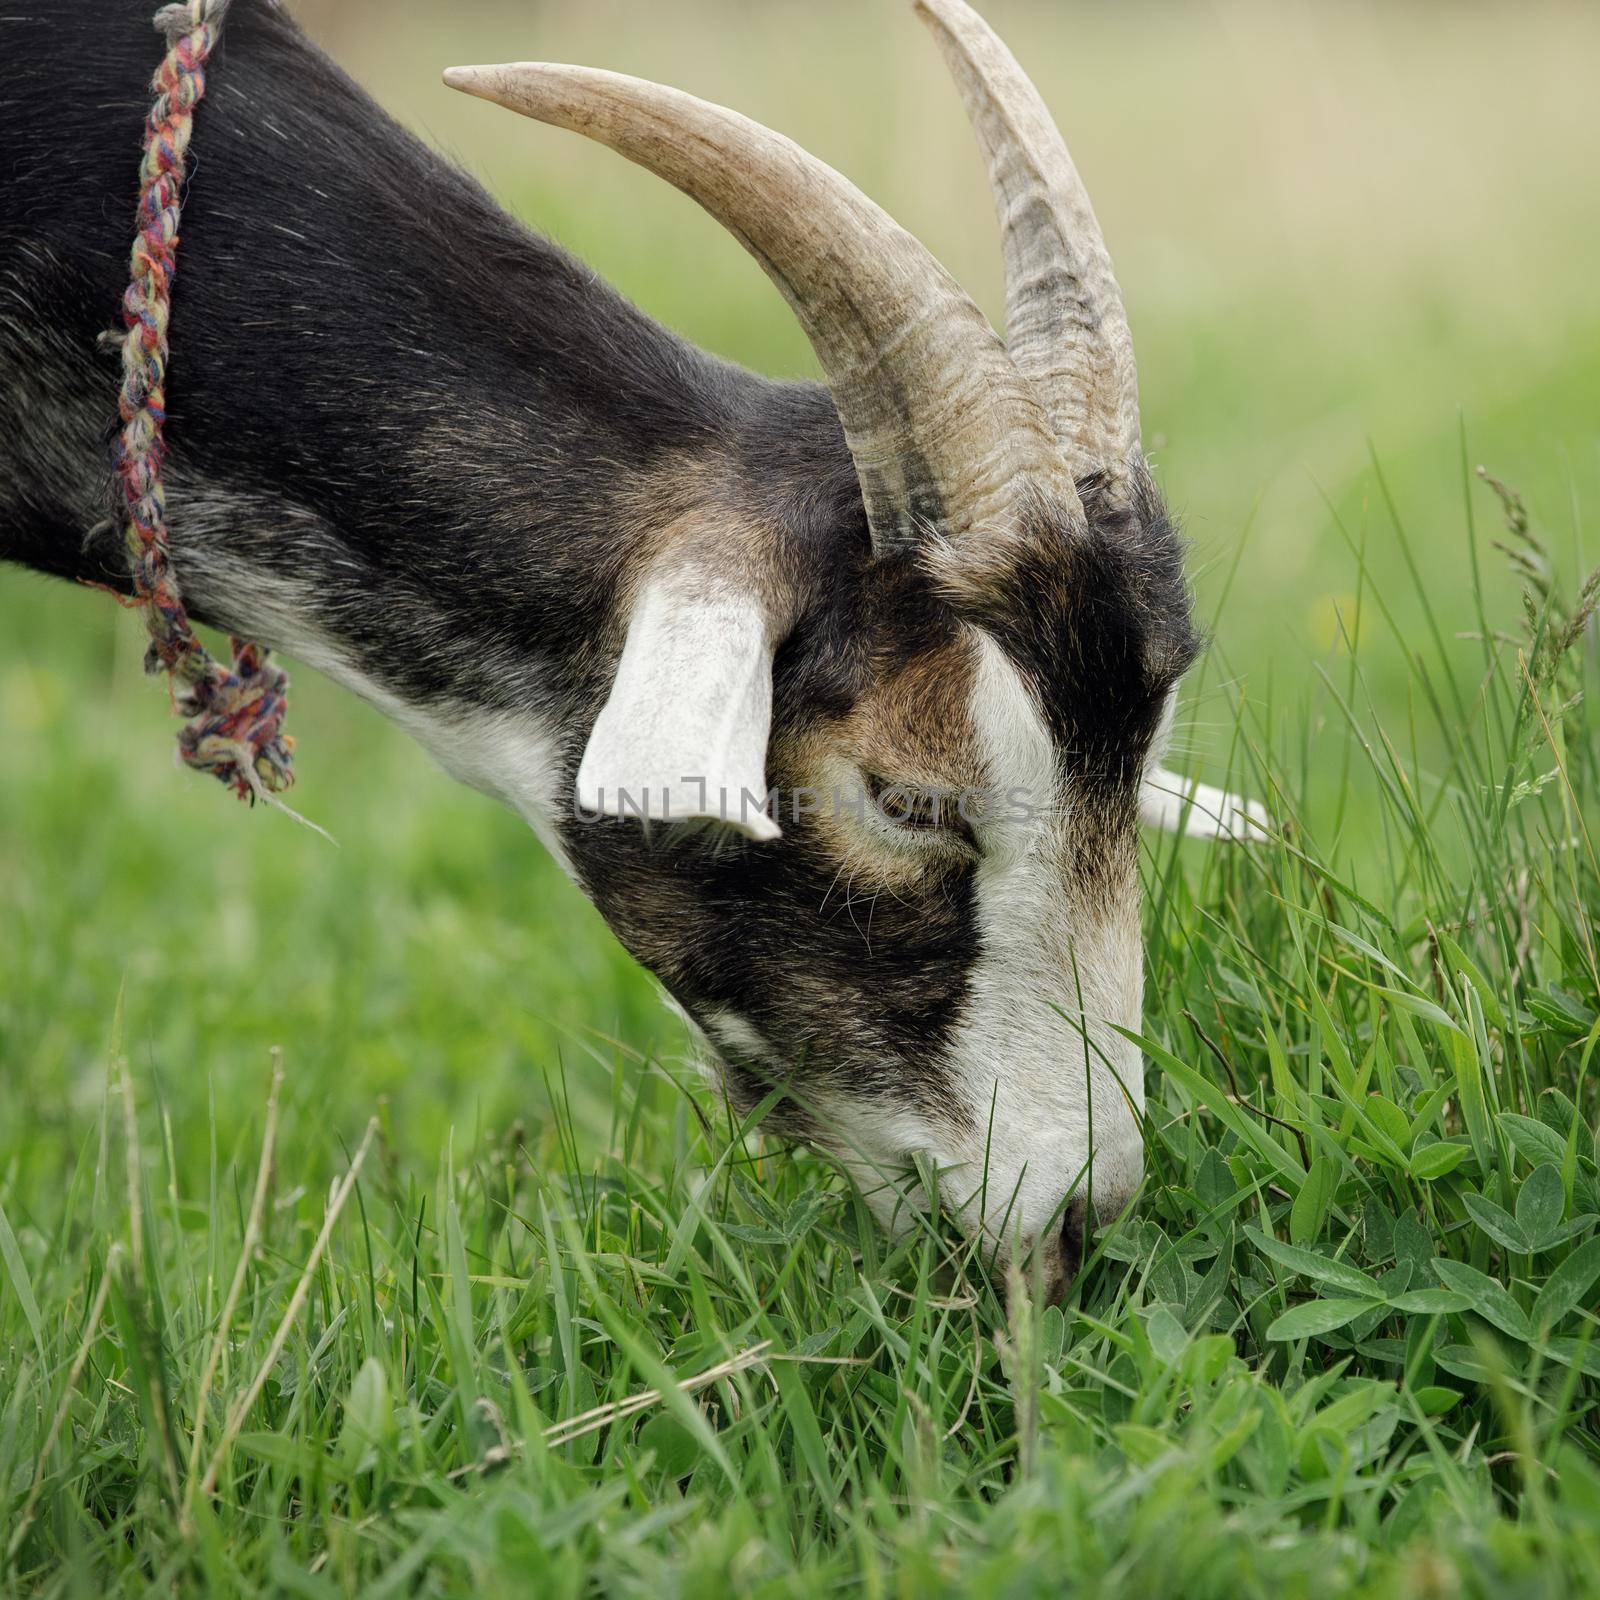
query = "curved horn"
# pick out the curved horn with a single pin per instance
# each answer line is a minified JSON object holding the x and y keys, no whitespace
{"x":1066,"y":329}
{"x":941,"y":426}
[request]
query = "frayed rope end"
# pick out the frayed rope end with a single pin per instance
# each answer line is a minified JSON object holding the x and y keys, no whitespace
{"x":235,"y":726}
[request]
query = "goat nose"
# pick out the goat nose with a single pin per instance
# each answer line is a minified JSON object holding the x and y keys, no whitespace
{"x":1055,"y":1261}
{"x":1074,"y":1231}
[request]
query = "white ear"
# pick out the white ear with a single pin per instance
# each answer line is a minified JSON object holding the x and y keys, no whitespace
{"x":1179,"y":805}
{"x":684,"y":732}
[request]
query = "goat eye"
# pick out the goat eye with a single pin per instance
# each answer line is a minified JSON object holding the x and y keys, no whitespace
{"x":920,"y":809}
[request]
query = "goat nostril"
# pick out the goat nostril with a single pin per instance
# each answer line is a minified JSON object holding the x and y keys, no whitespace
{"x":1074,"y":1230}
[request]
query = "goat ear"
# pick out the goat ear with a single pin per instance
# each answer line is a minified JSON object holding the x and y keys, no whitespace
{"x":683,"y":735}
{"x":1177,"y":804}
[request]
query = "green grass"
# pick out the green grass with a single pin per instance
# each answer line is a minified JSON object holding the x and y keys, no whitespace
{"x":1346,"y":1341}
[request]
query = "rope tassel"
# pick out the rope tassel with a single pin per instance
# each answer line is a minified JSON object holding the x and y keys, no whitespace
{"x":235,"y":716}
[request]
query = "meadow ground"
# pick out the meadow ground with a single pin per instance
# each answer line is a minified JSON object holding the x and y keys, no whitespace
{"x":571,"y":1332}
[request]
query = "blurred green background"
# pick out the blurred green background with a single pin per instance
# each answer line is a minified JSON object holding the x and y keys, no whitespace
{"x":1339,"y":230}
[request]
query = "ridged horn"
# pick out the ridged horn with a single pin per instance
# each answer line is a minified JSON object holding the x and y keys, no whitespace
{"x":1065,"y":325}
{"x":942,"y":428}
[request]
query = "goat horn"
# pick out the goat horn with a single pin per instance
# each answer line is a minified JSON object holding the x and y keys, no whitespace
{"x":1065,"y":325}
{"x":941,"y":426}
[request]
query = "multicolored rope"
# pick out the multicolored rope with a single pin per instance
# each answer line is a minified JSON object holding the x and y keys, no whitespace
{"x":235,"y":715}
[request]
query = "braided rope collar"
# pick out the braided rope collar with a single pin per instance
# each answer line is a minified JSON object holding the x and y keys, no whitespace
{"x":235,"y":715}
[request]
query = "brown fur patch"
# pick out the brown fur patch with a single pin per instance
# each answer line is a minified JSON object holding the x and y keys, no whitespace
{"x":916,"y":726}
{"x":693,"y":515}
{"x":911,"y":728}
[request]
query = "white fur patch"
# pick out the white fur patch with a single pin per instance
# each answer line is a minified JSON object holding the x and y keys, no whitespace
{"x":738,"y":1037}
{"x":513,"y":757}
{"x":1052,"y":1088}
{"x":875,"y":1141}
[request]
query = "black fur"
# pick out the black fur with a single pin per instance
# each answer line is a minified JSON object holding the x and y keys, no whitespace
{"x":1099,"y":618}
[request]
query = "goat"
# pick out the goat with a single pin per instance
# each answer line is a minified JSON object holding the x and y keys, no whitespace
{"x":903,"y":647}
